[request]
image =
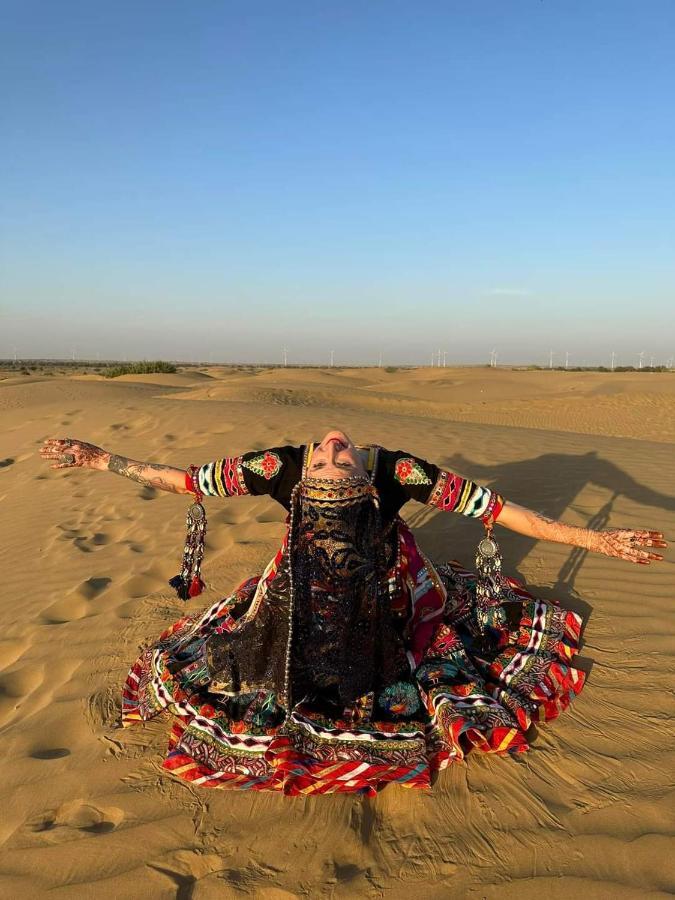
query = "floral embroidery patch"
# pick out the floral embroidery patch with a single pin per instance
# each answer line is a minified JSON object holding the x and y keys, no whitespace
{"x":407,"y":471}
{"x":268,"y":464}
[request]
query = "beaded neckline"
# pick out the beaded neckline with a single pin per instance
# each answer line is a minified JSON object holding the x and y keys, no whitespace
{"x":352,"y":488}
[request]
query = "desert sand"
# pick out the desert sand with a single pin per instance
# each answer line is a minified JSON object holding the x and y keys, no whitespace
{"x":87,"y":811}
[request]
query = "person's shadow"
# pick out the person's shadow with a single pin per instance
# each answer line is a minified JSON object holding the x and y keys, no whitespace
{"x":548,"y":484}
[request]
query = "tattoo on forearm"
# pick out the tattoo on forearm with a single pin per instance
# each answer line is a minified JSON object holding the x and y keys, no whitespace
{"x":147,"y":474}
{"x":544,"y":519}
{"x":553,"y":530}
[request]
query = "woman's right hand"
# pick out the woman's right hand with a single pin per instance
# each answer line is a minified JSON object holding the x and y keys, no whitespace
{"x":71,"y":453}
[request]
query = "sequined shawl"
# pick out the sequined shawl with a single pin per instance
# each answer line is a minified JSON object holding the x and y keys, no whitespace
{"x":324,"y":632}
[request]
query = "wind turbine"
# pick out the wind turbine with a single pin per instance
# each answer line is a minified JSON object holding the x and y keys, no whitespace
{"x":445,"y":354}
{"x":285,"y":356}
{"x":332,"y":358}
{"x":640,"y":358}
{"x":612,"y":363}
{"x":550,"y":360}
{"x":651,"y":362}
{"x":567,"y":358}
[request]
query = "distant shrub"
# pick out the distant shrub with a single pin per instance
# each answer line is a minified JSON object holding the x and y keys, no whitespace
{"x":139,"y":368}
{"x":25,"y":371}
{"x":391,"y":369}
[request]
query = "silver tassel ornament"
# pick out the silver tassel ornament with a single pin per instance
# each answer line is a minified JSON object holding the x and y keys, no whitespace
{"x":489,"y":581}
{"x":188,"y":583}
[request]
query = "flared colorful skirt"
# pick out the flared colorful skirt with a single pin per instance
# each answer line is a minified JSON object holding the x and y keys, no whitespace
{"x":476,"y":688}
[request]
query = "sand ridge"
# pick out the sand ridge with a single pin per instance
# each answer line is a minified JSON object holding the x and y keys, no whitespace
{"x":87,"y":808}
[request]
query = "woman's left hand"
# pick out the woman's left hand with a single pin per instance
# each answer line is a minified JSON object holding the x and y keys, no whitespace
{"x":627,"y":544}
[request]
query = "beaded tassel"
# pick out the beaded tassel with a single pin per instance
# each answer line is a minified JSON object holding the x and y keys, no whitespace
{"x":489,"y":568}
{"x":188,"y":583}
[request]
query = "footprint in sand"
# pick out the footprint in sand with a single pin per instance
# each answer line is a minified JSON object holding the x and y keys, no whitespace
{"x":141,"y":586}
{"x":75,"y":819}
{"x":76,"y":605}
{"x":8,"y":461}
{"x":46,"y":753}
{"x":11,"y":650}
{"x":92,"y":587}
{"x":104,"y":708}
{"x":133,"y":546}
{"x":68,"y":609}
{"x":16,"y":687}
{"x":83,"y":542}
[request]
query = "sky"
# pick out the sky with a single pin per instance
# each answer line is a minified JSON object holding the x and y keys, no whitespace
{"x":218,"y":180}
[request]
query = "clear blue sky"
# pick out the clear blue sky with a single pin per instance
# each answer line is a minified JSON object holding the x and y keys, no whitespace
{"x":218,"y":179}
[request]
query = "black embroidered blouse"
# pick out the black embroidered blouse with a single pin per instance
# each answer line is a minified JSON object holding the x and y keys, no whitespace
{"x":398,"y":476}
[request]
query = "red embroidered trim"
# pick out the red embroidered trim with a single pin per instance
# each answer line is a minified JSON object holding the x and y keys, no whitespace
{"x":233,"y":476}
{"x":494,"y":507}
{"x":446,"y":492}
{"x":192,"y":482}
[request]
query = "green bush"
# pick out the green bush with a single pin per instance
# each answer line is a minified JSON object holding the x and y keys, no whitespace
{"x":139,"y":368}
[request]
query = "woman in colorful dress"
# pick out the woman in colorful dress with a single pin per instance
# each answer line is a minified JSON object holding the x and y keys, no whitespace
{"x":353,"y":661}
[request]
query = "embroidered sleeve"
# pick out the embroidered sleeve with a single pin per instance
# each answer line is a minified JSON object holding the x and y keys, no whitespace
{"x":453,"y":493}
{"x":221,"y":478}
{"x":274,"y":471}
{"x":416,"y":479}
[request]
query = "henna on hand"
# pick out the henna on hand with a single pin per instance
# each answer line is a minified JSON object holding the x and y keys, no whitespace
{"x":623,"y":543}
{"x":71,"y":453}
{"x":626,"y":543}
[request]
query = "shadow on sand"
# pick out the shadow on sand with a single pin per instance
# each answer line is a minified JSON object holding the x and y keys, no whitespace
{"x":549,"y":484}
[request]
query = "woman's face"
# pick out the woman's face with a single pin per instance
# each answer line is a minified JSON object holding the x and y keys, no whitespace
{"x":336,"y":457}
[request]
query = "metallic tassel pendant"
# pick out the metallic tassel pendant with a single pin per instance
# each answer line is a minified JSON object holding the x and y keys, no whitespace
{"x":189,"y":583}
{"x":489,"y":581}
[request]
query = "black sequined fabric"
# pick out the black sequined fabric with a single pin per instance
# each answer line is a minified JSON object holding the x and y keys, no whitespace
{"x":344,"y":643}
{"x":252,"y":658}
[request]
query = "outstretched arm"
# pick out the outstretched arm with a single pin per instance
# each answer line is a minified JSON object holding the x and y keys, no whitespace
{"x":70,"y":453}
{"x":418,"y":479}
{"x":620,"y":542}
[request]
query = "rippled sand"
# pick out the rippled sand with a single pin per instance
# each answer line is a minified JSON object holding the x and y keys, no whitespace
{"x":87,"y":556}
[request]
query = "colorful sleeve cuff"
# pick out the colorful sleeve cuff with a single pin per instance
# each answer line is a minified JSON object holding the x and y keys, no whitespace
{"x":221,"y":478}
{"x":452,"y":493}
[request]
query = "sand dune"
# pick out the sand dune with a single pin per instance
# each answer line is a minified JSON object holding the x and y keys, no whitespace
{"x":87,"y":557}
